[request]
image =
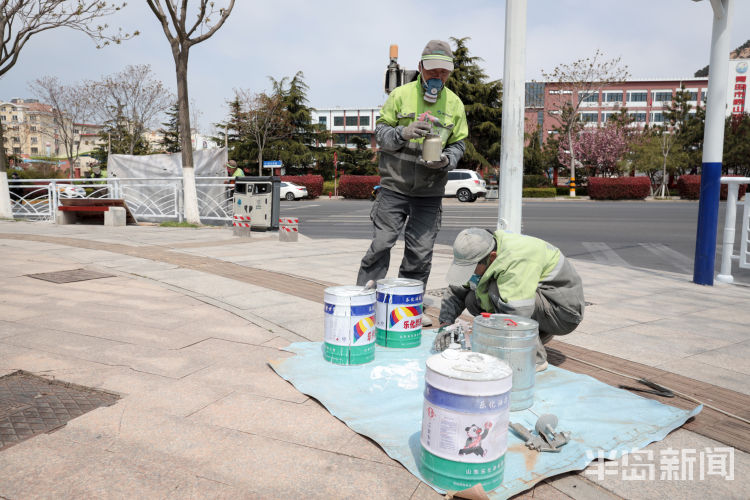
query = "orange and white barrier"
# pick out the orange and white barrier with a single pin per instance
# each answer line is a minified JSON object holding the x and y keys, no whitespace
{"x":288,"y":229}
{"x":241,"y":221}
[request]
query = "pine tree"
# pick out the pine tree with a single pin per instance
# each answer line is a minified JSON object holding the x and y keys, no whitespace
{"x":301,"y":149}
{"x":234,"y":132}
{"x":483,"y":105}
{"x":170,"y":135}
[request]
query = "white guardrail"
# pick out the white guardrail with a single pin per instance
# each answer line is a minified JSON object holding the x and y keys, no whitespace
{"x":730,"y":219}
{"x":153,"y":199}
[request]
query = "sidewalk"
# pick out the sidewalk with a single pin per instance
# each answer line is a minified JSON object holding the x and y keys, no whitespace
{"x":185,"y":327}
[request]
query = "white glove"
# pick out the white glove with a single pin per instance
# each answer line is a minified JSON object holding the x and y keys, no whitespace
{"x":415,"y":130}
{"x":441,"y":163}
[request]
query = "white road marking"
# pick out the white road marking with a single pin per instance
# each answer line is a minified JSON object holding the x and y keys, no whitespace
{"x":603,"y":253}
{"x":674,"y":257}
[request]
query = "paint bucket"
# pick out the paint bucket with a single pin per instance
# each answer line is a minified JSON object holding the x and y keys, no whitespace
{"x":399,"y":312}
{"x":465,"y":420}
{"x":512,"y":339}
{"x":349,"y":325}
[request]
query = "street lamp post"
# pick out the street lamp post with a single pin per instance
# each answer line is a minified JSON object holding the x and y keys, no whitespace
{"x":713,"y":144}
{"x":511,"y":146}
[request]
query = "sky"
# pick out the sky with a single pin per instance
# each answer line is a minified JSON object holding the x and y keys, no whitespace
{"x":342,"y":46}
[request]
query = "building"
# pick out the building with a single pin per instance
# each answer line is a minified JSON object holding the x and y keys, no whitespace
{"x":645,"y":100}
{"x":344,"y":124}
{"x":29,"y":129}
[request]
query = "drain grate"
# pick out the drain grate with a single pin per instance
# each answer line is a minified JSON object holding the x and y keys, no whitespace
{"x":31,"y":405}
{"x":70,"y":276}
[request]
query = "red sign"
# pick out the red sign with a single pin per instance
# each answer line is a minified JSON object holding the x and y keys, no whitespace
{"x":738,"y":99}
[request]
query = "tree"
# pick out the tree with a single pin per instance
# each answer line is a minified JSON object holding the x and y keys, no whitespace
{"x":265,"y":120}
{"x":182,"y":36}
{"x":600,"y":149}
{"x":170,"y":134}
{"x":20,"y":20}
{"x":115,"y":138}
{"x":71,"y":108}
{"x":133,"y":96}
{"x":482,"y":101}
{"x":300,"y":149}
{"x":584,"y":79}
{"x":737,"y":145}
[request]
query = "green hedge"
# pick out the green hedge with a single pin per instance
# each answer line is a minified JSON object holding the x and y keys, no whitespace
{"x":565,"y":191}
{"x":539,"y":192}
{"x":536,"y":181}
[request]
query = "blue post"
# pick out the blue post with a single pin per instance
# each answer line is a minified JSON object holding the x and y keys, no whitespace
{"x":708,"y":223}
{"x":713,"y":146}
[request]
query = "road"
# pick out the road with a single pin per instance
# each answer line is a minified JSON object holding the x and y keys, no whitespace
{"x":654,"y":235}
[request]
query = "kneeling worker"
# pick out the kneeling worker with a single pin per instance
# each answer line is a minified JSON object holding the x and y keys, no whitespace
{"x":508,"y":273}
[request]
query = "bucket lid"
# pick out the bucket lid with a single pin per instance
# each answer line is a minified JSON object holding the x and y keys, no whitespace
{"x":468,"y":365}
{"x":348,"y":291}
{"x":506,"y":322}
{"x":397,"y":282}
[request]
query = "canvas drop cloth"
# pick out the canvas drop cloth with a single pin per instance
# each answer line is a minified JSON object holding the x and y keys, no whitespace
{"x":383,"y":401}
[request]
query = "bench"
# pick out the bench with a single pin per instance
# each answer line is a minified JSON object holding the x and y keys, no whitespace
{"x":112,"y":212}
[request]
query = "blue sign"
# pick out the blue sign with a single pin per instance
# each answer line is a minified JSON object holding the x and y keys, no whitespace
{"x":272,"y":164}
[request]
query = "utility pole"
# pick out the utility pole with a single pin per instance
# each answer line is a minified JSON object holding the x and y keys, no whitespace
{"x":713,"y":145}
{"x":511,"y":146}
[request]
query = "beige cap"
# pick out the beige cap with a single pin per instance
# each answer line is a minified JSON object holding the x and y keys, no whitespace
{"x":471,"y":246}
{"x":437,"y":54}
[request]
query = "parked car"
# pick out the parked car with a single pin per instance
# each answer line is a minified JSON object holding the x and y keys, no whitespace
{"x":466,"y":185}
{"x":291,"y":191}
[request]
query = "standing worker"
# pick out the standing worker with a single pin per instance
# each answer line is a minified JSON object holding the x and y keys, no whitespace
{"x":412,"y":189}
{"x":510,"y":273}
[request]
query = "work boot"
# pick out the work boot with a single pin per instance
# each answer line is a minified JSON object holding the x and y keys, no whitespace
{"x":541,"y":354}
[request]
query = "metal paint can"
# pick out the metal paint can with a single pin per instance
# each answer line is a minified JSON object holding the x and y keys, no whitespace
{"x":398,"y":315}
{"x":432,"y":148}
{"x":465,"y":420}
{"x":512,"y":339}
{"x":349,"y":325}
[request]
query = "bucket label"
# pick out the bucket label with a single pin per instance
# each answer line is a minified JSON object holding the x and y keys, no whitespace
{"x":349,"y":325}
{"x":466,"y":437}
{"x":472,"y":404}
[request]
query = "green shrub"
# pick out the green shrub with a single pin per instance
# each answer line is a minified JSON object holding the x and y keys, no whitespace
{"x":546,"y":192}
{"x":535,"y":181}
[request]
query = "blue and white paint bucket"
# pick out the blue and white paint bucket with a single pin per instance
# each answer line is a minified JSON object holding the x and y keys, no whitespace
{"x":465,"y":420}
{"x":349,"y":325}
{"x":399,"y":312}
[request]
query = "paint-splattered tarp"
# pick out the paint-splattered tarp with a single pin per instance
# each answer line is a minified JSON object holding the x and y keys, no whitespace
{"x":383,"y":400}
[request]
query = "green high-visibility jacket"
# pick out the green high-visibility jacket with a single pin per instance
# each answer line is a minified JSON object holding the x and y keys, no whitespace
{"x":522,"y":263}
{"x":397,"y":157}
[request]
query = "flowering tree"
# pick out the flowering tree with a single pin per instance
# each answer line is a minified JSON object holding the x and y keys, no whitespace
{"x":598,"y":149}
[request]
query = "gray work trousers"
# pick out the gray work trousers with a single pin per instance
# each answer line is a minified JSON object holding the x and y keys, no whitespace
{"x":419,"y":217}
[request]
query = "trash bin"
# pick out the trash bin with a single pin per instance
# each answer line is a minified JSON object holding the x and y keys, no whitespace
{"x":259,"y":198}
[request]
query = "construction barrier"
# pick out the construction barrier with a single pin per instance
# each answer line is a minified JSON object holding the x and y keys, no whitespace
{"x":241,"y":225}
{"x":288,"y":229}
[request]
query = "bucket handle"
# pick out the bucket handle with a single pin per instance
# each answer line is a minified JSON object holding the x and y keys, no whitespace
{"x":510,"y":322}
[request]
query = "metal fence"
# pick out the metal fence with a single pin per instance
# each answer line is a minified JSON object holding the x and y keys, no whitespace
{"x":730,"y":217}
{"x":154,"y":199}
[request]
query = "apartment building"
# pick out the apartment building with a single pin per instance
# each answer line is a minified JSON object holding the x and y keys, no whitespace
{"x":29,"y":128}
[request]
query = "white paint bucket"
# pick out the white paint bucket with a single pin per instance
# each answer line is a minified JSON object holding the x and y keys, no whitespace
{"x":399,"y":312}
{"x":349,"y":325}
{"x":465,"y":420}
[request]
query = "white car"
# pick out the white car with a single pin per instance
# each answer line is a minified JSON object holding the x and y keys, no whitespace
{"x":466,"y":185}
{"x":291,"y":191}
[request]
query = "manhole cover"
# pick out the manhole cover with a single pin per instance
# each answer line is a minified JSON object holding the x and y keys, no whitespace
{"x":70,"y":276}
{"x":31,"y":405}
